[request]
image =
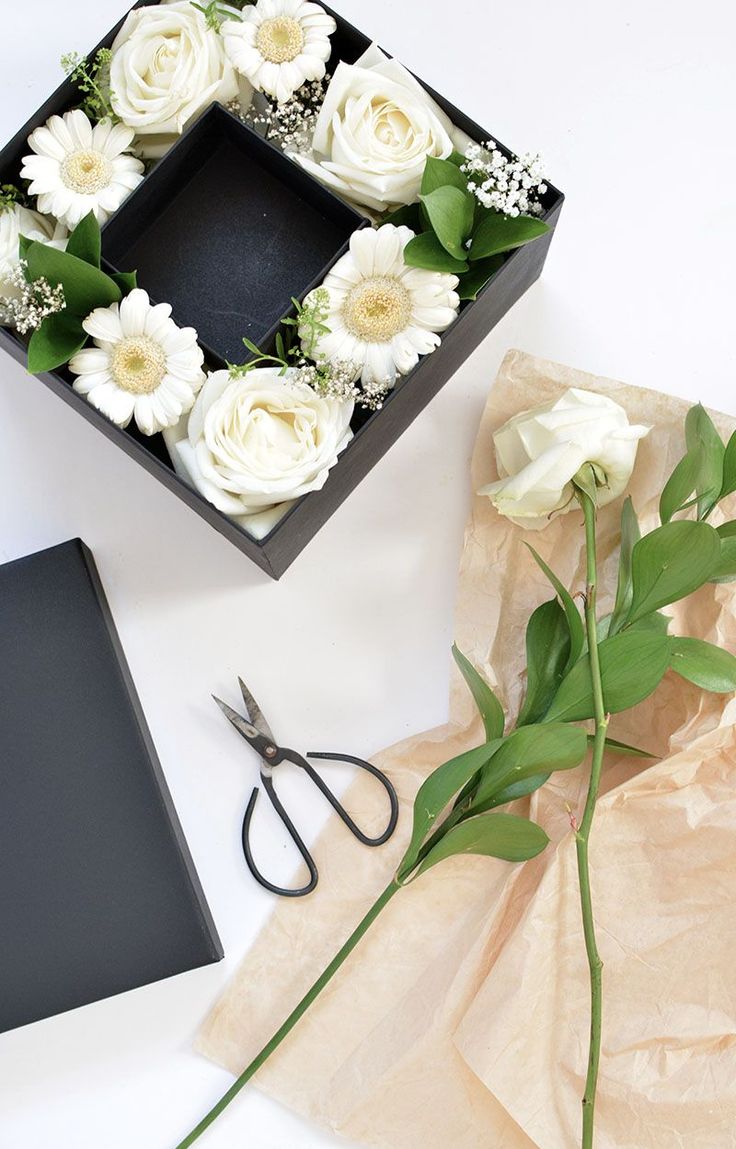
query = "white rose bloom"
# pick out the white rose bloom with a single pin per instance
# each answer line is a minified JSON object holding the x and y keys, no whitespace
{"x":167,"y":67}
{"x":16,"y":221}
{"x":256,"y":443}
{"x":539,"y":451}
{"x":374,"y":132}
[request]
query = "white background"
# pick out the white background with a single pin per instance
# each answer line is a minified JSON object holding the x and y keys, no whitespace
{"x":632,"y":106}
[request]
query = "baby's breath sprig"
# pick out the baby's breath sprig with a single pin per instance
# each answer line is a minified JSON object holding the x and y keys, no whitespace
{"x":10,"y":195}
{"x":510,"y":186}
{"x":289,"y":125}
{"x":92,"y":78}
{"x":35,"y":300}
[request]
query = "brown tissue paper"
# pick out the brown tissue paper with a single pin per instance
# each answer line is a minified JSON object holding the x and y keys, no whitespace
{"x":462,"y":1018}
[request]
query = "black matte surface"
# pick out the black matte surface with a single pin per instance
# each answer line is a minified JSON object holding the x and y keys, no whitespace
{"x":226,"y":229}
{"x":97,"y":890}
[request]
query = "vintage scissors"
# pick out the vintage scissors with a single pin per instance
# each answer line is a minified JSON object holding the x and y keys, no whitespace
{"x":257,"y":733}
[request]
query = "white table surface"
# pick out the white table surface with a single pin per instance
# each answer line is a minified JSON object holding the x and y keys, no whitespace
{"x":632,"y":106}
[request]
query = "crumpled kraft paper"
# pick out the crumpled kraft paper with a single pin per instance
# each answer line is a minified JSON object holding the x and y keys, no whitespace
{"x":462,"y":1018}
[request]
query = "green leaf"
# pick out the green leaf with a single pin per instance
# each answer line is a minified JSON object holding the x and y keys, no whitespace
{"x":85,"y":287}
{"x":442,"y":173}
{"x":497,"y":233}
{"x":528,"y":751}
{"x":630,"y":535}
{"x":679,"y":487}
{"x":456,"y":158}
{"x":54,"y":343}
{"x":126,"y":280}
{"x":436,"y":792}
{"x":406,"y":216}
{"x":574,"y":621}
{"x":23,"y":244}
{"x":85,"y":241}
{"x":450,"y":212}
{"x":704,"y":664}
{"x":670,"y":563}
{"x":494,"y":835}
{"x":517,"y":790}
{"x":426,"y":251}
{"x":473,"y":281}
{"x":624,"y":748}
{"x":547,"y":654}
{"x":632,"y":666}
{"x":726,"y":569}
{"x":704,"y":441}
{"x":729,"y":468}
{"x":490,"y":708}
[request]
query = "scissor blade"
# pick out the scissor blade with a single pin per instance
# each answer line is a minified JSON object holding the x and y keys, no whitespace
{"x":254,"y":712}
{"x":243,"y":727}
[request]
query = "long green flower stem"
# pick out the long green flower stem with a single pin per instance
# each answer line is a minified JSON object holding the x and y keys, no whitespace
{"x":583,"y":832}
{"x":298,"y":1012}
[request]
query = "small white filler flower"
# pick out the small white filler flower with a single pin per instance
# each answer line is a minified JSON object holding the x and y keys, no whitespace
{"x":142,"y":365}
{"x":382,"y":314}
{"x":80,"y":168}
{"x":279,"y":45}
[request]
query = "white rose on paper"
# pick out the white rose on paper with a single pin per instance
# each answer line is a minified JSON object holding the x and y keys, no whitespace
{"x":168,"y":65}
{"x":539,"y":451}
{"x":16,"y":221}
{"x":374,"y":132}
{"x":256,"y":442}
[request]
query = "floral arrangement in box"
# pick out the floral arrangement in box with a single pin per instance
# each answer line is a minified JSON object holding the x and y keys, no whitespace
{"x":444,"y":210}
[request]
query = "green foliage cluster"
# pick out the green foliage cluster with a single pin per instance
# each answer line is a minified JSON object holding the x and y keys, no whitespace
{"x":289,"y":351}
{"x":85,"y":286}
{"x":457,"y":234}
{"x":456,"y":808}
{"x":10,"y":195}
{"x":92,"y":78}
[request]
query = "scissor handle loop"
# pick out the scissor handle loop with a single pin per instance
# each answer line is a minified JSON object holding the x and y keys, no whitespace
{"x":337,"y":805}
{"x":295,"y":837}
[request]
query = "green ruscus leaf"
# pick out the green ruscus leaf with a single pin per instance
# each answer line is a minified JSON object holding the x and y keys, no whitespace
{"x":490,"y":708}
{"x":85,"y":287}
{"x":473,"y":281}
{"x":450,"y":212}
{"x":496,"y":233}
{"x":526,"y":752}
{"x":630,"y":535}
{"x":729,"y":468}
{"x":520,"y":789}
{"x":426,"y":251}
{"x":705,"y":664}
{"x":503,"y":836}
{"x":85,"y":241}
{"x":700,"y":471}
{"x":441,"y":173}
{"x":436,"y":792}
{"x":572,"y":614}
{"x":55,"y":342}
{"x":632,"y":665}
{"x":547,"y":654}
{"x":726,"y":569}
{"x":670,"y":563}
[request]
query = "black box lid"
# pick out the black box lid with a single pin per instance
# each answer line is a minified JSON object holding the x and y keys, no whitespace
{"x":98,"y":892}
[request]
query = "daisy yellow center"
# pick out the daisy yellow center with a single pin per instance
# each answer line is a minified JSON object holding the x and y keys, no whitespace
{"x":280,"y":40}
{"x":377,"y":309}
{"x":86,"y":172}
{"x":138,"y":364}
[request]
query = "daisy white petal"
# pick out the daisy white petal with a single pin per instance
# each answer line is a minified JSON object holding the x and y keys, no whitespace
{"x":142,"y":365}
{"x":279,"y":45}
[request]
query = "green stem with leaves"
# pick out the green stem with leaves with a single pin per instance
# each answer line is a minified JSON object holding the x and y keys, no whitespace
{"x":583,"y":832}
{"x":298,"y":1012}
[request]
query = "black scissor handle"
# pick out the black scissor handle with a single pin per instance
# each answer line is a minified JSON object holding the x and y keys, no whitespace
{"x":295,"y":837}
{"x":337,"y":805}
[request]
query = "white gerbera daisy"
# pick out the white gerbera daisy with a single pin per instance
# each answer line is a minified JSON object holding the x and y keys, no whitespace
{"x":382,"y":314}
{"x":280,"y":45}
{"x":80,"y":168}
{"x":142,"y":365}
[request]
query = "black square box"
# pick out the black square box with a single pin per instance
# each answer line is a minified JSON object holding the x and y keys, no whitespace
{"x":258,"y":231}
{"x":374,"y":435}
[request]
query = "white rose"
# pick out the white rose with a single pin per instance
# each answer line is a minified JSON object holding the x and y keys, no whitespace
{"x":374,"y":132}
{"x":539,"y":451}
{"x":16,"y":221}
{"x":255,"y":443}
{"x":167,"y":67}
